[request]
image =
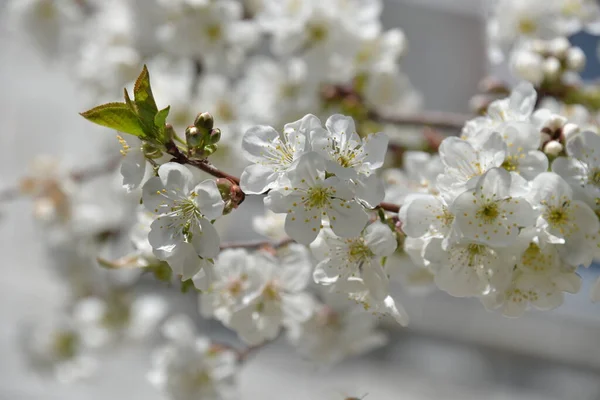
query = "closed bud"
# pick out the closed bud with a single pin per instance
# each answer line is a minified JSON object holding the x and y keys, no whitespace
{"x":575,"y":59}
{"x":559,"y":46}
{"x":194,"y":137}
{"x":551,"y":68}
{"x":215,"y":136}
{"x":204,"y":121}
{"x":210,"y":149}
{"x":231,"y":194}
{"x":527,"y":65}
{"x":553,"y":148}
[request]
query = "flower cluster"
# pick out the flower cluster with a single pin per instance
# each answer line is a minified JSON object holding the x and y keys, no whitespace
{"x":324,"y":179}
{"x":505,"y":213}
{"x":514,"y":22}
{"x":497,"y":225}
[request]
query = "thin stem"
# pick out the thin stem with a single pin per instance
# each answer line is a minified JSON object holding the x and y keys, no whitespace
{"x":256,"y":244}
{"x":389,"y":207}
{"x":203,"y":165}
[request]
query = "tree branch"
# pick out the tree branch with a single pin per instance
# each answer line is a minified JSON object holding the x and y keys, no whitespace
{"x":256,"y":244}
{"x":203,"y":165}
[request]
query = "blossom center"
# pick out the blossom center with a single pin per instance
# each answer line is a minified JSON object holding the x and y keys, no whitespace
{"x":317,"y":197}
{"x":511,"y":163}
{"x":214,"y":32}
{"x":533,"y":259}
{"x":187,"y":208}
{"x":527,"y":26}
{"x":594,"y":177}
{"x":558,"y":216}
{"x":46,"y":9}
{"x":65,"y":345}
{"x":358,"y":251}
{"x":473,"y":251}
{"x":271,"y":291}
{"x":317,"y":32}
{"x":488,"y":212}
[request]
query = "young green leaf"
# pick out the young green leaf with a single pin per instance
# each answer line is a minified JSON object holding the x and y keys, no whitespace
{"x":144,"y":99}
{"x":117,"y":116}
{"x":160,"y":119}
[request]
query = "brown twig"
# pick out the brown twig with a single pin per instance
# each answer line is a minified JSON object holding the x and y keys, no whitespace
{"x":181,"y":158}
{"x":203,"y":165}
{"x":389,"y":207}
{"x":255,"y":244}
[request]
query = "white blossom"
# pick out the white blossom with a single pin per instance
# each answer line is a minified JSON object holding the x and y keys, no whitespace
{"x":133,"y":166}
{"x":490,"y":213}
{"x":210,"y":31}
{"x":582,"y":168}
{"x":311,"y":196}
{"x":189,"y":367}
{"x":281,"y":299}
{"x":118,"y":317}
{"x":56,"y":347}
{"x":464,"y":163}
{"x":362,"y":256}
{"x":335,"y":333}
{"x":236,"y":276}
{"x":562,"y":218}
{"x":183,"y":234}
{"x":351,"y":158}
{"x":270,"y":224}
{"x":540,"y":279}
{"x":274,"y":153}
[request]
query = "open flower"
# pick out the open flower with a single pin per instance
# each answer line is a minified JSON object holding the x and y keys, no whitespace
{"x":189,"y":367}
{"x":563,"y":219}
{"x":360,"y":256}
{"x":235,"y":276}
{"x":183,"y":234}
{"x":489,"y":214}
{"x":280,"y":300}
{"x":273,"y":153}
{"x":311,"y":196}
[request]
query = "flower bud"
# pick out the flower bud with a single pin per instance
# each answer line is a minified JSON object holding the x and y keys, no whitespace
{"x":194,"y":137}
{"x":538,"y":46}
{"x":528,"y":66}
{"x":575,"y":59}
{"x":209,"y":149}
{"x":204,"y":122}
{"x":559,"y":46}
{"x":215,"y":136}
{"x":551,"y":68}
{"x":231,"y":193}
{"x":553,"y":148}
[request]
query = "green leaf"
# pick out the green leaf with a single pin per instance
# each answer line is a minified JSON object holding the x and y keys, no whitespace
{"x":128,"y":101}
{"x":116,"y":116}
{"x":160,"y":119}
{"x":144,"y":99}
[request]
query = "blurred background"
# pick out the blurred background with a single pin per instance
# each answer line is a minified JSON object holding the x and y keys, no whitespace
{"x":453,"y":348}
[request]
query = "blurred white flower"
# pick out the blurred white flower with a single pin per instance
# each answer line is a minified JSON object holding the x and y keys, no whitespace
{"x":189,"y":367}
